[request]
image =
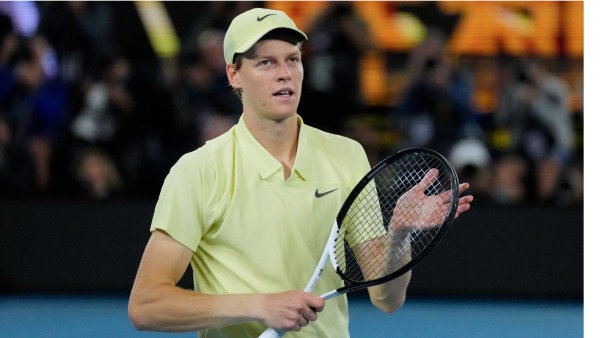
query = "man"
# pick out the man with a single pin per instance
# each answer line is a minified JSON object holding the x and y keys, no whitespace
{"x":534,"y":113}
{"x":252,"y":209}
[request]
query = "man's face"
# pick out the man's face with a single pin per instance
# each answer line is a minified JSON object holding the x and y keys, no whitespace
{"x":272,"y":81}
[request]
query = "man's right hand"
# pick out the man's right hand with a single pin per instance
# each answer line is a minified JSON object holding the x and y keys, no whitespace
{"x":290,"y":310}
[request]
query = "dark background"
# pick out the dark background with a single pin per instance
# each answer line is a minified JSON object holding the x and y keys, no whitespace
{"x":59,"y":246}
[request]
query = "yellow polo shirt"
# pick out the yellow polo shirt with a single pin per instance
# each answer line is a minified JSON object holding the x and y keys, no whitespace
{"x":251,"y":230}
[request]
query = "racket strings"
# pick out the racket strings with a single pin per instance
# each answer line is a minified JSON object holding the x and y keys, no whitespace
{"x":393,"y":219}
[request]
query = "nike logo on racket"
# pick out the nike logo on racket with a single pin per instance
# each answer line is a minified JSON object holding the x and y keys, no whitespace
{"x":321,"y":194}
{"x":261,"y":18}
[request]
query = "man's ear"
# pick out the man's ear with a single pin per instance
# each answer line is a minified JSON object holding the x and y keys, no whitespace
{"x":233,"y":76}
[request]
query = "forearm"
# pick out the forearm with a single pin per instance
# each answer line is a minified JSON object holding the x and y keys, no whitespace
{"x":390,"y":296}
{"x":169,"y":308}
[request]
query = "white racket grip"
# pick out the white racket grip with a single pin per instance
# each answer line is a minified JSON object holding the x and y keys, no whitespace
{"x":270,"y":333}
{"x":330,"y":294}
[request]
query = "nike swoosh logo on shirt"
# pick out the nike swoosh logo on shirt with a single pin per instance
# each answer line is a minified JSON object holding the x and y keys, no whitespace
{"x":321,"y":194}
{"x":261,"y":18}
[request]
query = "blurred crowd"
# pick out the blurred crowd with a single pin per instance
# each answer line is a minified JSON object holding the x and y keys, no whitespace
{"x":524,"y":151}
{"x":81,"y":119}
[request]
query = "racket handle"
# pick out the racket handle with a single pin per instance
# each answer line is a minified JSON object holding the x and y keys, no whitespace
{"x":270,"y":333}
{"x":330,"y":294}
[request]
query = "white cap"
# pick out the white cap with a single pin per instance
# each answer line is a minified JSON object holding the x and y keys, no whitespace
{"x":249,"y":27}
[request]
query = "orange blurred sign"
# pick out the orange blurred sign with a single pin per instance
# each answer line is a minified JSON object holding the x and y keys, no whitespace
{"x":486,"y":28}
{"x":474,"y":28}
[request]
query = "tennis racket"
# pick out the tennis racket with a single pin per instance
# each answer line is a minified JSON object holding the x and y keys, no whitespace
{"x":389,"y":222}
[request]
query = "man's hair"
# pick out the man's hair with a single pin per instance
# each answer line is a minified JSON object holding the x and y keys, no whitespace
{"x":282,"y":34}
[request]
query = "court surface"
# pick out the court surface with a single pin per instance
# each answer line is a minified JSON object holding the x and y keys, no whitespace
{"x":43,"y":316}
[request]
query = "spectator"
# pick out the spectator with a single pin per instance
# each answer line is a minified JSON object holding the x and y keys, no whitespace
{"x":210,"y":47}
{"x":473,"y":162}
{"x":109,"y":120}
{"x":435,"y":111}
{"x":8,"y":41}
{"x":202,"y":94}
{"x":97,"y":176}
{"x":534,"y":112}
{"x":35,"y":108}
{"x":339,"y":38}
{"x":107,"y":102}
{"x":80,"y":31}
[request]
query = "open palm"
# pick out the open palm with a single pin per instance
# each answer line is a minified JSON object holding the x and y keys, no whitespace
{"x":417,"y":210}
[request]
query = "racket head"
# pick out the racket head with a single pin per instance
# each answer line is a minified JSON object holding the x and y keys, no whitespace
{"x":394,"y":217}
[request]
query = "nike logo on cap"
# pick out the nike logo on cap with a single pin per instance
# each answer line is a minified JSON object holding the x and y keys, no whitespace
{"x":261,"y":18}
{"x":321,"y":194}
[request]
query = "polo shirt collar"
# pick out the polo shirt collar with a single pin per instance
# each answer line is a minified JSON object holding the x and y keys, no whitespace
{"x":263,"y":161}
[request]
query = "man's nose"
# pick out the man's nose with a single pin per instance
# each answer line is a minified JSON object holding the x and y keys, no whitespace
{"x":284,"y":72}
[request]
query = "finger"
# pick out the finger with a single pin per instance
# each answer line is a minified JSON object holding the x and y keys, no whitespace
{"x":461,"y":209}
{"x":316,"y":304}
{"x":464,"y":205}
{"x":309,"y":314}
{"x":447,"y":195}
{"x":427,"y":180}
{"x":466,"y":199}
{"x":302,"y":321}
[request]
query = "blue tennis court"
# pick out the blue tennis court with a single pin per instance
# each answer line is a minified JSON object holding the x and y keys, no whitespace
{"x":23,"y":316}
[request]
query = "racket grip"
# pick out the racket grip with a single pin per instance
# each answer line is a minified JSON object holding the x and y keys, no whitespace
{"x":270,"y":333}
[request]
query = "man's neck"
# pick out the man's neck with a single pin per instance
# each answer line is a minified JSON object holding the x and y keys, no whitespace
{"x":279,"y":138}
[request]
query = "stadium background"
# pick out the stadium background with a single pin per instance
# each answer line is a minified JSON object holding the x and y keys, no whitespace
{"x":59,"y":243}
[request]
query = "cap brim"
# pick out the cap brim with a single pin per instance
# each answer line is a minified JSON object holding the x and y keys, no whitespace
{"x":244,"y":47}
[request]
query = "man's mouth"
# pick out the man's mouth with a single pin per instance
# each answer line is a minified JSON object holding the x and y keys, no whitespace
{"x":284,"y":92}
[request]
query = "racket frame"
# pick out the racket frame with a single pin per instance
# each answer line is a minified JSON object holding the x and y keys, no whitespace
{"x":352,"y":285}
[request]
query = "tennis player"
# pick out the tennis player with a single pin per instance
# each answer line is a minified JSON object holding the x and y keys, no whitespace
{"x":252,"y":209}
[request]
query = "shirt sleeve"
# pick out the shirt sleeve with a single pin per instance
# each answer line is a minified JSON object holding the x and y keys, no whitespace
{"x":364,"y":220}
{"x":179,"y":209}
